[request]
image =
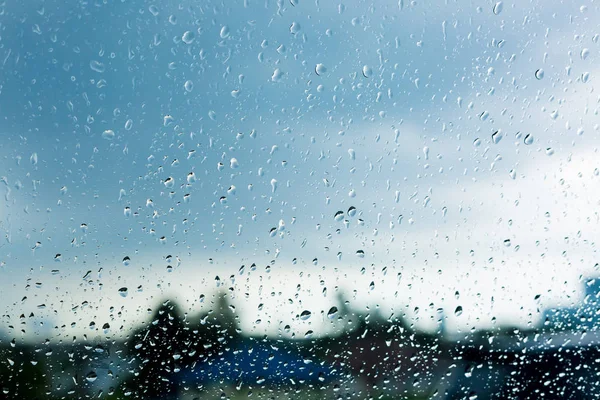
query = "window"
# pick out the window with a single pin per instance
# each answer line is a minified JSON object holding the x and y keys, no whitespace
{"x":298,"y":199}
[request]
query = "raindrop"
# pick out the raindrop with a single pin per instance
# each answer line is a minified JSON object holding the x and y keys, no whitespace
{"x":528,"y":139}
{"x":233,"y":163}
{"x":188,"y":37}
{"x":224,"y":32}
{"x":351,"y":211}
{"x":458,"y":312}
{"x":277,"y":75}
{"x":126,"y":261}
{"x":91,"y":376}
{"x":549,"y":151}
{"x":360,"y":253}
{"x":477,"y":142}
{"x":294,"y":28}
{"x":188,"y":86}
{"x":497,"y":137}
{"x":305,"y":315}
{"x":97,"y":66}
{"x":367,"y":71}
{"x":320,"y":69}
{"x":332,"y":313}
{"x":539,"y":74}
{"x":123,"y":292}
{"x":339,"y":216}
{"x":585,"y":53}
{"x":498,"y":7}
{"x":108,"y":134}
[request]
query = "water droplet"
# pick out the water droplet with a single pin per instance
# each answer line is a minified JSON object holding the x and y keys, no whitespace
{"x":477,"y":142}
{"x":498,"y":7}
{"x":97,"y":66}
{"x":320,"y":69}
{"x":367,"y":71}
{"x":224,"y":32}
{"x":338,"y":216}
{"x":128,"y":124}
{"x":169,"y":182}
{"x":507,"y":242}
{"x":585,"y":77}
{"x":585,"y":53}
{"x":168,"y":120}
{"x":528,"y":139}
{"x":497,"y":137}
{"x":233,"y":163}
{"x":539,"y":74}
{"x":360,"y":253}
{"x":191,"y":177}
{"x":91,"y":376}
{"x":351,"y":211}
{"x":126,"y":260}
{"x":458,"y":311}
{"x":295,"y":28}
{"x":123,"y":292}
{"x":513,"y":174}
{"x":108,"y":134}
{"x":273,"y":185}
{"x":127,"y":211}
{"x":277,"y":75}
{"x":484,"y":115}
{"x":549,"y":151}
{"x":188,"y":37}
{"x":34,"y":159}
{"x":188,"y":86}
{"x":332,"y":313}
{"x":305,"y":315}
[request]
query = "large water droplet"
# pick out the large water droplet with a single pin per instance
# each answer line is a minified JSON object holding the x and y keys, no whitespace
{"x":123,"y":292}
{"x":528,"y":139}
{"x":458,"y":311}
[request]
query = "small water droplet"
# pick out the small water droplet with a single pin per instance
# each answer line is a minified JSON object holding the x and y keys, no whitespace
{"x":123,"y":292}
{"x":539,"y":74}
{"x":497,"y":137}
{"x":108,"y":134}
{"x":188,"y":86}
{"x":458,"y":311}
{"x":295,"y":28}
{"x":332,"y":313}
{"x":188,"y":37}
{"x":224,"y":32}
{"x":585,"y":53}
{"x":305,"y":315}
{"x":367,"y":71}
{"x":126,"y":260}
{"x":528,"y":139}
{"x":91,"y":376}
{"x":277,"y":75}
{"x":97,"y":66}
{"x":320,"y":69}
{"x":498,"y":7}
{"x":477,"y":142}
{"x":549,"y":151}
{"x":338,"y":216}
{"x":360,"y":253}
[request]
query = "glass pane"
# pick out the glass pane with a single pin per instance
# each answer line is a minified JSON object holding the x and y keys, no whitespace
{"x":298,"y":199}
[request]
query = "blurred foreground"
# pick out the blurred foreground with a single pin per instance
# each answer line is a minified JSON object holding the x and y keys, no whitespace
{"x":175,"y":356}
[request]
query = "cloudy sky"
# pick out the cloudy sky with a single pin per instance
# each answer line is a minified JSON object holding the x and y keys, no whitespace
{"x":196,"y":137}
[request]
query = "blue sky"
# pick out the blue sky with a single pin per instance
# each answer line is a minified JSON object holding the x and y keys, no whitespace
{"x":409,"y":146}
